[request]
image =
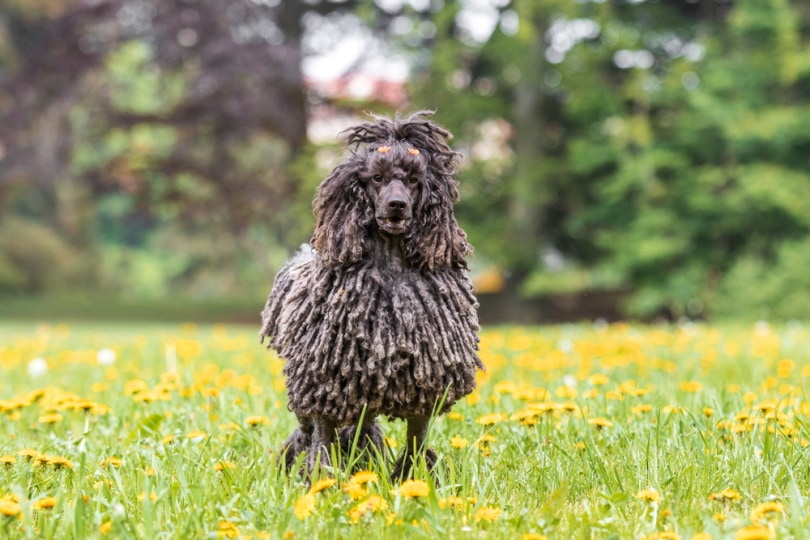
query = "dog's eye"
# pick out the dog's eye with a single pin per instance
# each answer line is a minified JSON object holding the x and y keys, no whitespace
{"x":413,"y":180}
{"x":377,"y":178}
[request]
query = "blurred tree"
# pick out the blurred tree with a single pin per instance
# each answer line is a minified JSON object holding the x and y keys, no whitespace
{"x":117,"y":114}
{"x":239,"y":76}
{"x":641,"y":147}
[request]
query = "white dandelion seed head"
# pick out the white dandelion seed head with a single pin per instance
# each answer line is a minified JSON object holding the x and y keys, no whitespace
{"x":119,"y":511}
{"x":37,"y":367}
{"x":106,"y":357}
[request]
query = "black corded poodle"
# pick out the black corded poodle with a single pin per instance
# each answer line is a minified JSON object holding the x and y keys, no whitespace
{"x":378,"y":316}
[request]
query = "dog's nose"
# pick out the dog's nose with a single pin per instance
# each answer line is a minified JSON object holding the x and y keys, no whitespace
{"x":397,"y":204}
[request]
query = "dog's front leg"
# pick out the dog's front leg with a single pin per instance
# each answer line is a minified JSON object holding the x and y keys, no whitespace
{"x":323,"y":435}
{"x":416,"y":438}
{"x":299,"y":441}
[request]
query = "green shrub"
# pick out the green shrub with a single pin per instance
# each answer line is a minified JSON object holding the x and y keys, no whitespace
{"x":768,"y":289}
{"x":34,"y":259}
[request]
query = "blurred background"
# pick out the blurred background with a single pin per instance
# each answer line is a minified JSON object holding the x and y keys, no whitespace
{"x":622,"y":159}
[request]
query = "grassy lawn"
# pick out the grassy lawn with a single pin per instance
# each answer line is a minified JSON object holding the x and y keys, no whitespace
{"x":171,"y":431}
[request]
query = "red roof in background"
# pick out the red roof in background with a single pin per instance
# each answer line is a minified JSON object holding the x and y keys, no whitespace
{"x":359,"y":86}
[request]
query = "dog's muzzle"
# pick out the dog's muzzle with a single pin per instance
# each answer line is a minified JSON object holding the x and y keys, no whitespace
{"x":394,"y":210}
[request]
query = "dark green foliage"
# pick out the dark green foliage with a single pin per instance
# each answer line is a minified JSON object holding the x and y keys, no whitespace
{"x":680,"y":180}
{"x":35,"y":260}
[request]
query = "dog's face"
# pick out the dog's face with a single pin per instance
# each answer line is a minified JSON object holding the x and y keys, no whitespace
{"x":394,"y":177}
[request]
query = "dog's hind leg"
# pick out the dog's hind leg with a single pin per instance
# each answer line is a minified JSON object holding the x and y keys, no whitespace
{"x":323,"y":434}
{"x":364,"y":441}
{"x":416,"y":444}
{"x":299,"y":441}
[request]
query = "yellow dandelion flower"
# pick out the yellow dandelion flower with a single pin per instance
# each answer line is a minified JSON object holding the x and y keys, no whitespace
{"x":321,"y":485}
{"x":755,"y":532}
{"x":227,"y":529}
{"x":364,"y":477}
{"x":701,"y":536}
{"x":534,"y":536}
{"x":135,"y":386}
{"x":487,"y":513}
{"x":504,"y":387}
{"x":196,"y":435}
{"x":598,"y":379}
{"x":649,"y":495}
{"x":50,"y":418}
{"x":113,"y":461}
{"x":152,"y":496}
{"x":459,"y":442}
{"x":58,"y":462}
{"x":354,"y":491}
{"x":452,"y":501}
{"x":720,"y":517}
{"x":375,"y":503}
{"x":708,"y":412}
{"x":304,"y":506}
{"x":691,"y":386}
{"x":600,"y":423}
{"x":727,"y":494}
{"x":389,"y":442}
{"x":105,"y":527}
{"x":45,"y":503}
{"x":491,"y":419}
{"x":579,"y":445}
{"x":768,"y":510}
{"x":765,"y":407}
{"x":638,"y":392}
{"x":222,"y":465}
{"x":255,"y":421}
{"x":641,"y":408}
{"x":86,"y":405}
{"x":9,"y":508}
{"x":663,"y":535}
{"x":570,"y":407}
{"x":486,"y":438}
{"x":413,"y":489}
{"x":8,"y":461}
{"x":566,"y":392}
{"x":455,"y":416}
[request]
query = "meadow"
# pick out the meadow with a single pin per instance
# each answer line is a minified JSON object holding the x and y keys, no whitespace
{"x":581,"y":431}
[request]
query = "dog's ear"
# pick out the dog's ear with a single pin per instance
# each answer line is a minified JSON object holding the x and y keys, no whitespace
{"x":343,"y":213}
{"x":437,"y":239}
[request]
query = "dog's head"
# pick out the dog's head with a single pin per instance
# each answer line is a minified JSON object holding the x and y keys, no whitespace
{"x":394,"y":177}
{"x":398,"y":181}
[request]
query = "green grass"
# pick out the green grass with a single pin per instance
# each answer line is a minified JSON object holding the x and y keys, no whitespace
{"x":575,"y":432}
